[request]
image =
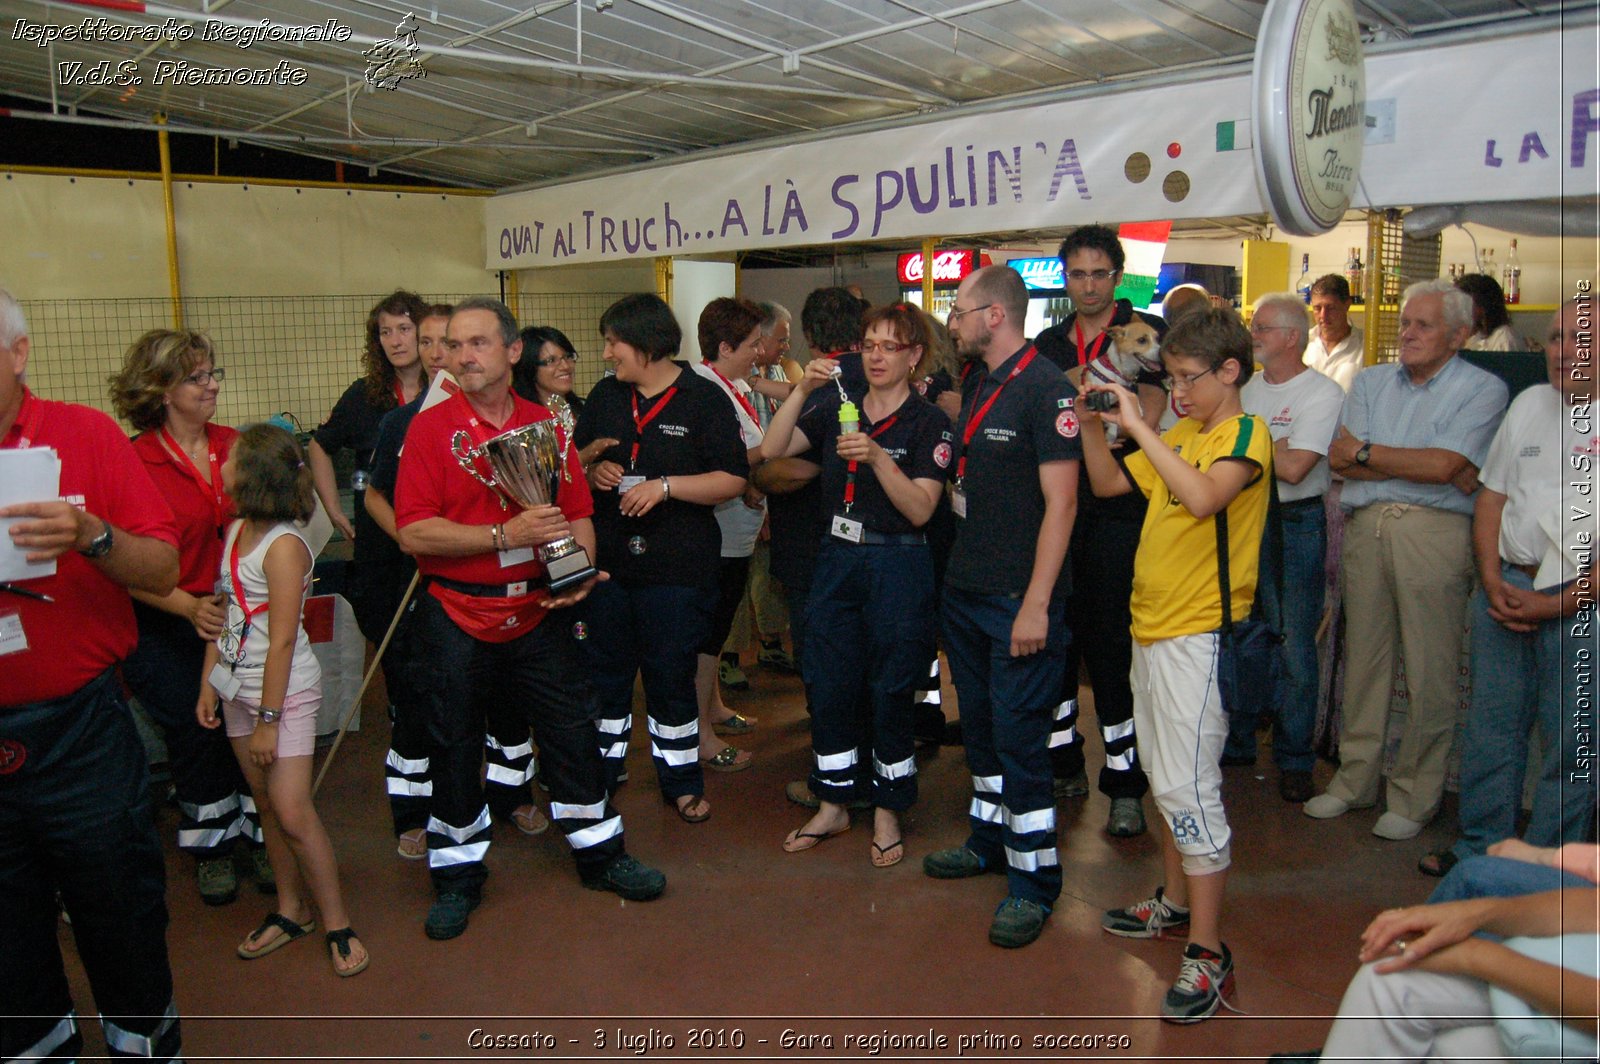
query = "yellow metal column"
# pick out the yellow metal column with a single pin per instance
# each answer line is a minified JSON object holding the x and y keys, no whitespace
{"x":1266,"y":269}
{"x":664,"y":278}
{"x":172,"y":226}
{"x":927,"y":273}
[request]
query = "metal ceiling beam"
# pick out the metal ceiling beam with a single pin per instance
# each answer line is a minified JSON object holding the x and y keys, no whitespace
{"x":1042,"y":56}
{"x":1216,"y":24}
{"x":303,"y":138}
{"x":157,"y":13}
{"x":775,"y":52}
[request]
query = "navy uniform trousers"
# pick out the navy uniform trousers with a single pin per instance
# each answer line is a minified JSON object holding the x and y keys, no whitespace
{"x":163,"y":672}
{"x":76,"y":817}
{"x":1007,"y":706}
{"x":407,"y":768}
{"x":653,"y":631}
{"x":541,"y":672}
{"x":869,"y":634}
{"x":1103,"y":548}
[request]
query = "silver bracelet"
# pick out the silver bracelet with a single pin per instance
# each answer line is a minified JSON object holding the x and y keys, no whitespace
{"x":666,"y":488}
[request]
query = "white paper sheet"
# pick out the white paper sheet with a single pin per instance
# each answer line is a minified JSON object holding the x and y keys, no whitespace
{"x":27,"y":474}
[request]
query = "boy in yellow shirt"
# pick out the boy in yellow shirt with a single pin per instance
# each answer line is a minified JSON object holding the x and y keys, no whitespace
{"x":1216,"y":460}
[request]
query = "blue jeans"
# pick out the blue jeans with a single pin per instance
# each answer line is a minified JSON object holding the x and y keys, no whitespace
{"x":1519,"y":679}
{"x":1501,"y":877}
{"x":1305,"y":543}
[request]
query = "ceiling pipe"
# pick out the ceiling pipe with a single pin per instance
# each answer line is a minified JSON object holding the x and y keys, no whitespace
{"x":738,"y":64}
{"x":302,"y":138}
{"x":158,"y":13}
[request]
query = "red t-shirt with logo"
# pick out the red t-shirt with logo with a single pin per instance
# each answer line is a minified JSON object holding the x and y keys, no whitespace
{"x":201,"y":519}
{"x":89,"y":627}
{"x":431,"y":483}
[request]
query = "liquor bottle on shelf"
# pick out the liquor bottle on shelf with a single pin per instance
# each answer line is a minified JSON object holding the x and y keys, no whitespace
{"x":1303,"y":286}
{"x":1511,"y":275}
{"x":1486,"y":263}
{"x":1354,"y":273}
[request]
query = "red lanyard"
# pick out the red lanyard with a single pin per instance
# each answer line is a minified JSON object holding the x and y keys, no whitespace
{"x":213,"y":490}
{"x":238,"y":585}
{"x":28,"y":417}
{"x":1086,"y":356}
{"x":640,"y":422}
{"x":475,"y":424}
{"x":399,"y":393}
{"x":740,"y":399}
{"x":977,"y":419}
{"x":850,"y":469}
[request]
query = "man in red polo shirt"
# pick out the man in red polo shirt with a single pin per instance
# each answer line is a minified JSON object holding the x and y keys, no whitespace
{"x":75,"y":812}
{"x":484,"y":631}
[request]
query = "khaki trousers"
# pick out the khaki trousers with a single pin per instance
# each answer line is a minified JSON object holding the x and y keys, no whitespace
{"x":1407,"y":575}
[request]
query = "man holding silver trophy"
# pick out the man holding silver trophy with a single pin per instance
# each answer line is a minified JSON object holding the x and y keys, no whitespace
{"x":494,"y":505}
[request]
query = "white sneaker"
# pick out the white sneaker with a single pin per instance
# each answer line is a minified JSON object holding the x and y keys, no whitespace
{"x":1394,"y":826}
{"x":1325,"y":807}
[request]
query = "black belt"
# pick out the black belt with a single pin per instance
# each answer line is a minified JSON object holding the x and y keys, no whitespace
{"x":515,"y":589}
{"x":870,"y":538}
{"x":1302,"y":504}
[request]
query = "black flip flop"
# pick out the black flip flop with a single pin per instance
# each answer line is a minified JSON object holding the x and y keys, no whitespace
{"x":290,"y":929}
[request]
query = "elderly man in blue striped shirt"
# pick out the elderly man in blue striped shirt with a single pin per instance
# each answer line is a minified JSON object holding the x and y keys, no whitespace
{"x":1413,"y":437}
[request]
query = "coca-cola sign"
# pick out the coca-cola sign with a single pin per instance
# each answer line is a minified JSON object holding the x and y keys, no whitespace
{"x":948,"y":266}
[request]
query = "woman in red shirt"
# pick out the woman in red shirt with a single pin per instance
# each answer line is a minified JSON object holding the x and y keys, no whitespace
{"x":167,"y":390}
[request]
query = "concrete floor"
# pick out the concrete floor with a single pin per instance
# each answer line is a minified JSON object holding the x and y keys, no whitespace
{"x":750,"y":942}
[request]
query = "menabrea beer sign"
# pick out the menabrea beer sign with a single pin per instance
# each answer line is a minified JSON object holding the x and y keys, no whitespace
{"x":1310,"y":105}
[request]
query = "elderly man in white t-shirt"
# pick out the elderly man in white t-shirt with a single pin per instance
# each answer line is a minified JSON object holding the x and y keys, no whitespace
{"x":1337,"y":348}
{"x":1533,"y":634}
{"x":1301,"y":408}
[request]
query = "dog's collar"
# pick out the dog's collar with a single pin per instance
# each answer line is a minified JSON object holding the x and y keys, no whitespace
{"x":1104,"y":372}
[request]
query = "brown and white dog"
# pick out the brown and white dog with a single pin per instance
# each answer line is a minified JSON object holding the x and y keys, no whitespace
{"x":1134,"y":348}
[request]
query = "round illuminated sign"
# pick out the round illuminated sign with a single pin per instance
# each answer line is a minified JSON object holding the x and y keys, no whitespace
{"x":1309,"y":109}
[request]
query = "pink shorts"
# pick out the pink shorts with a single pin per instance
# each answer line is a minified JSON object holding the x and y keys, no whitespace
{"x":297,"y":728}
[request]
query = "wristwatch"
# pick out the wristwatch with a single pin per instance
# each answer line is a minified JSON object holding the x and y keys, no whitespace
{"x":100,"y":545}
{"x":1364,"y":454}
{"x":270,"y":716}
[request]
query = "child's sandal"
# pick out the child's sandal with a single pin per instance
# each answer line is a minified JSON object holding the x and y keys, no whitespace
{"x":340,"y":940}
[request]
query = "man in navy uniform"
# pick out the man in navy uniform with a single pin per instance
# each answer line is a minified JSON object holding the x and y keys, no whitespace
{"x":1004,"y":615}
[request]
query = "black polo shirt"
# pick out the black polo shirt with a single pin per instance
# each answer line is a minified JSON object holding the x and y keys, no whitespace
{"x":917,"y":437}
{"x":677,"y":542}
{"x":391,"y":437}
{"x":1059,"y":344}
{"x":1033,"y":421}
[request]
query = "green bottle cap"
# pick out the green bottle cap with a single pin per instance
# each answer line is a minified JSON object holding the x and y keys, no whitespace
{"x":848,"y":414}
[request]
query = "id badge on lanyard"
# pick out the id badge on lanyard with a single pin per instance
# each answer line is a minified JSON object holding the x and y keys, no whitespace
{"x":847,"y":529}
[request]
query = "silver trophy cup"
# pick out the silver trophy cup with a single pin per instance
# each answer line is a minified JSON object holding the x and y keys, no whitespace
{"x":526,"y":467}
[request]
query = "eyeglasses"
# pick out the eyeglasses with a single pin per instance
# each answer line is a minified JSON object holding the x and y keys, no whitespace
{"x":204,"y":377}
{"x":1097,"y":276}
{"x":957,"y":315}
{"x":1183,"y":384}
{"x":1257,"y":327}
{"x":554,"y":359}
{"x":888,"y":347}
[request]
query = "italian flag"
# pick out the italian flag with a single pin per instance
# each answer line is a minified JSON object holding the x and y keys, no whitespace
{"x":1145,"y":245}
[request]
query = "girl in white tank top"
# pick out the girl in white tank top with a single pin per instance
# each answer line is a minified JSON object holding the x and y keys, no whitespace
{"x":267,"y":679}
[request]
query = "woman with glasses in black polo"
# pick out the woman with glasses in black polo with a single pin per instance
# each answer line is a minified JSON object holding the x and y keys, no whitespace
{"x":869,"y":620}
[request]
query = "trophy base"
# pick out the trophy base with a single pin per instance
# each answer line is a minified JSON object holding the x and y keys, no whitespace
{"x":569,"y":570}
